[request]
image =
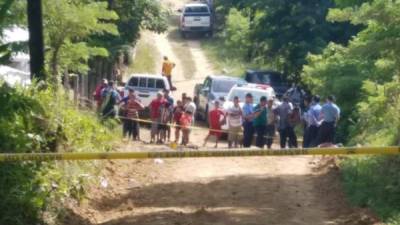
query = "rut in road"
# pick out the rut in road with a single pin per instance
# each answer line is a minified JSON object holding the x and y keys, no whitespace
{"x":217,"y":191}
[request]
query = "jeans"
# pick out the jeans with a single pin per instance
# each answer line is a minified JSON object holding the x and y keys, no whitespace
{"x":312,"y":135}
{"x":326,"y":133}
{"x":306,"y":137}
{"x":270,"y":133}
{"x":260,"y":140}
{"x":288,"y":133}
{"x":130,"y":128}
{"x":248,"y":131}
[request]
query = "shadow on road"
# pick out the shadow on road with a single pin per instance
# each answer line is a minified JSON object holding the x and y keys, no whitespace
{"x":245,"y":199}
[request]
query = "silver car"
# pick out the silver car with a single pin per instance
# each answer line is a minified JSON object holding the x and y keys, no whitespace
{"x":214,"y":87}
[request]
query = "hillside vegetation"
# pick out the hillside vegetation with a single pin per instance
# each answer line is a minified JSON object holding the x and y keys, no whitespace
{"x":346,"y":48}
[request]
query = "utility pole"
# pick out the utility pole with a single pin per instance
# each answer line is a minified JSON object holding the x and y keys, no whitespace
{"x":36,"y":43}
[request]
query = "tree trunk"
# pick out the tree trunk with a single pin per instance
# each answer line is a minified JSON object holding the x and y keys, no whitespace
{"x":36,"y":43}
{"x":54,"y":66}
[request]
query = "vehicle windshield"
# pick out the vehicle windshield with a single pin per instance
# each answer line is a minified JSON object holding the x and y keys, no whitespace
{"x":197,"y":9}
{"x":241,"y":93}
{"x":223,"y":85}
{"x":266,"y":78}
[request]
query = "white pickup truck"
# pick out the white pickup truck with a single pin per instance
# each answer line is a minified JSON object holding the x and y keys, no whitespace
{"x":196,"y":18}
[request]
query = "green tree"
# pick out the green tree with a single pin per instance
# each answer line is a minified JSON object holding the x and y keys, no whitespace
{"x":282,"y":33}
{"x":68,"y":25}
{"x":370,"y":58}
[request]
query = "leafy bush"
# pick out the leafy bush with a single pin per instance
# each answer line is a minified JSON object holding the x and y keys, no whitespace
{"x":44,"y":121}
{"x":237,"y":32}
{"x":374,"y":182}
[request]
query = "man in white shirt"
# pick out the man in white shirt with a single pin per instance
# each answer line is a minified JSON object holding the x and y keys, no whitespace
{"x":234,"y":123}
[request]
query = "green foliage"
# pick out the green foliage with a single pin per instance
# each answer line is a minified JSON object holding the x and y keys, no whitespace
{"x":237,"y":32}
{"x":134,"y":16}
{"x":347,"y":72}
{"x":374,"y":182}
{"x":67,"y":25}
{"x":364,"y":77}
{"x":280,"y":34}
{"x":45,"y":121}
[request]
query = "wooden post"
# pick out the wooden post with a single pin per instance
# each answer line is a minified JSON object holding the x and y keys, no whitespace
{"x":36,"y":43}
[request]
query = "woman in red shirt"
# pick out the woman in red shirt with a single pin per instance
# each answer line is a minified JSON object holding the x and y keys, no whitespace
{"x":215,"y":118}
{"x":185,"y":122}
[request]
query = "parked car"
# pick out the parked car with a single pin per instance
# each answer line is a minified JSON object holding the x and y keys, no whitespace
{"x":146,"y":87}
{"x":196,"y":18}
{"x":272,"y":78}
{"x":256,"y":90}
{"x":213,"y":88}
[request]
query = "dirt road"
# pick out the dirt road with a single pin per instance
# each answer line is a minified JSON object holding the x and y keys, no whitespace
{"x":215,"y":191}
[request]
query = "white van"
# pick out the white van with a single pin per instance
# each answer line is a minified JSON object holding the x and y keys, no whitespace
{"x":146,"y":86}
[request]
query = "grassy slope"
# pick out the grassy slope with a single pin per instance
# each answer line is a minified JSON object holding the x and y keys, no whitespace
{"x":144,"y":61}
{"x":374,"y":182}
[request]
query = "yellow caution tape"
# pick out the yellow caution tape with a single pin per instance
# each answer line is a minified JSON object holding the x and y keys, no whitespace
{"x":197,"y":154}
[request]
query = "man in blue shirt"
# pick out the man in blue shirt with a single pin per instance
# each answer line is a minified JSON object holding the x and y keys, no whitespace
{"x":329,"y":116}
{"x":248,"y":117}
{"x":313,"y":116}
{"x":111,"y":98}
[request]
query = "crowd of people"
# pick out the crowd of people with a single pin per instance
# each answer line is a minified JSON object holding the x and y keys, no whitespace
{"x":240,"y":121}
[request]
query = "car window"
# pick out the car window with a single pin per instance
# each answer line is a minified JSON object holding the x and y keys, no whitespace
{"x":266,"y":78}
{"x":134,"y":81}
{"x":223,"y":85}
{"x":196,"y":9}
{"x":142,"y":82}
{"x":275,"y":78}
{"x":151,"y":83}
{"x":160,"y":84}
{"x":241,"y":93}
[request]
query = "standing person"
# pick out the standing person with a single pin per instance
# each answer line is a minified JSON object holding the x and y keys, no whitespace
{"x":215,"y":117}
{"x":260,"y":121}
{"x":110,"y":97}
{"x":97,"y":93}
{"x":271,"y":121}
{"x":234,"y":123}
{"x":166,"y":71}
{"x":306,"y":122}
{"x":178,"y":111}
{"x":329,"y":116}
{"x":165,"y":119}
{"x":190,"y":106}
{"x":295,"y":94}
{"x":314,"y":114}
{"x":171,"y":101}
{"x":183,"y":97}
{"x":248,"y":118}
{"x":185,"y":122}
{"x":155,"y":115}
{"x":284,"y":111}
{"x":131,"y":106}
{"x":294,"y":120}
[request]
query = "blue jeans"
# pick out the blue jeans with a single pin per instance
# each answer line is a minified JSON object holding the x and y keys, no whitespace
{"x":248,"y":131}
{"x":260,"y":140}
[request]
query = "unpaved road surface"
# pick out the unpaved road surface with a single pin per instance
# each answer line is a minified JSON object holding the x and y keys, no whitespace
{"x":215,"y":191}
